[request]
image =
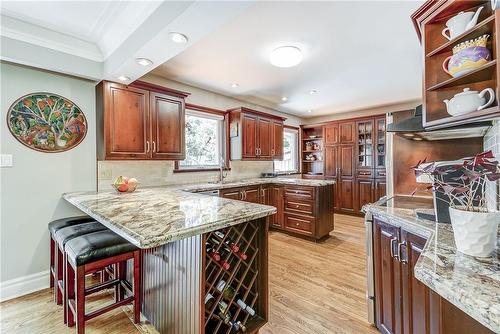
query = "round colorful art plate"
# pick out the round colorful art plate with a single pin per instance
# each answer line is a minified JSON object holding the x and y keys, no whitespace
{"x":47,"y":122}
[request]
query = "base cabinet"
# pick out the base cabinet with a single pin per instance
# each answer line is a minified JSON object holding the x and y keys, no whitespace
{"x":301,"y":210}
{"x":403,"y":304}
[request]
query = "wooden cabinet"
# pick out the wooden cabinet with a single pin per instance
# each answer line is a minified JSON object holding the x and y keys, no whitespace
{"x":248,"y":194}
{"x":380,"y":189}
{"x":233,"y":193}
{"x":346,"y":130}
{"x":168,"y":126}
{"x":277,"y":140}
{"x":252,"y":194}
{"x":345,"y":195}
{"x":365,"y":189}
{"x":388,"y":303}
{"x":137,"y":123}
{"x":403,"y":304}
{"x":255,"y":135}
{"x":331,"y":134}
{"x":276,"y":200}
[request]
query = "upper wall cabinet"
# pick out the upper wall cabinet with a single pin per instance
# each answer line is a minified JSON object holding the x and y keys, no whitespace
{"x":460,"y":53}
{"x":139,"y":122}
{"x":255,"y":135}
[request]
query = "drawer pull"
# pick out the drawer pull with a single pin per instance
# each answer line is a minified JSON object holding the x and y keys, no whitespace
{"x":297,"y":206}
{"x":297,"y":224}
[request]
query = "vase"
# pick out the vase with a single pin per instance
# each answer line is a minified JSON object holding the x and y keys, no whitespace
{"x":475,"y":232}
{"x":467,"y":56}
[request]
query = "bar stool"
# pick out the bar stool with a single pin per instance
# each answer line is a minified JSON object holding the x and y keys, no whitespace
{"x":54,"y":226}
{"x":62,"y":236}
{"x":93,"y":252}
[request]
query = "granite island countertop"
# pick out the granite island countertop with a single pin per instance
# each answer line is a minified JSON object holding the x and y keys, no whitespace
{"x":150,"y":217}
{"x":471,"y":284}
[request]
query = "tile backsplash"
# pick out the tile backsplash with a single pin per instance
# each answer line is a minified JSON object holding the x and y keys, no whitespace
{"x":492,"y":142}
{"x":157,"y":173}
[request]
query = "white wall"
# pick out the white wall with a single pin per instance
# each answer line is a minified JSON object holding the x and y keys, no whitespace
{"x":31,"y":189}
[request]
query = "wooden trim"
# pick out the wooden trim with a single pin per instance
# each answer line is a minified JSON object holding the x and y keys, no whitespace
{"x":416,"y":16}
{"x":208,"y":110}
{"x":159,"y":89}
{"x":258,"y":113}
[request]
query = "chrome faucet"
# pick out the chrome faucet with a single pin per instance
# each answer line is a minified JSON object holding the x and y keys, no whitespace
{"x":222,"y":166}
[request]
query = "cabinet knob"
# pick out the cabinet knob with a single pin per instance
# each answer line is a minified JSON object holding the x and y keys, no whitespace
{"x":297,"y":206}
{"x":297,"y":224}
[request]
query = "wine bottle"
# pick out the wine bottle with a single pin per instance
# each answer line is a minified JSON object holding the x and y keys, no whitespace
{"x":229,"y":293}
{"x":228,"y":241}
{"x":212,"y":253}
{"x":226,"y":250}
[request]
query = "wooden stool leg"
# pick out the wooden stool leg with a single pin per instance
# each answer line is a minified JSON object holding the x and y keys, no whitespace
{"x":65,"y":294}
{"x":69,"y":287}
{"x":80,"y":299}
{"x":59,"y":265}
{"x":52,"y":246}
{"x":137,"y":285}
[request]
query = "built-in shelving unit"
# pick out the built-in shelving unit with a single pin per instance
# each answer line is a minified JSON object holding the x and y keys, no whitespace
{"x":439,"y":85}
{"x":312,"y":151}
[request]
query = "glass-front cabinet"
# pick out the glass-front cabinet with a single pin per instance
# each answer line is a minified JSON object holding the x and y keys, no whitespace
{"x":365,"y":144}
{"x":380,"y":143}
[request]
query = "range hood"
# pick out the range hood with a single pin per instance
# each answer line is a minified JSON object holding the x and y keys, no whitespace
{"x":412,"y":128}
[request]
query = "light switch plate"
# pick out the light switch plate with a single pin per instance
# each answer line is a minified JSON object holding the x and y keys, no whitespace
{"x":6,"y":160}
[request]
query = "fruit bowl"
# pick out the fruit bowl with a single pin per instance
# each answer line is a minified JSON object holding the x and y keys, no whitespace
{"x":124,"y":184}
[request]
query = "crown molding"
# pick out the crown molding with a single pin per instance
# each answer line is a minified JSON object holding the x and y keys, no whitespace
{"x":36,"y":35}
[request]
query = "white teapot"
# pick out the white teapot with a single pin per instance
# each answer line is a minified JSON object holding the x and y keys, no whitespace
{"x":469,"y":101}
{"x":460,"y":23}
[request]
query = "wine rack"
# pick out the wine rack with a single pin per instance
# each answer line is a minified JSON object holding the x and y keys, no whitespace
{"x":246,"y":277}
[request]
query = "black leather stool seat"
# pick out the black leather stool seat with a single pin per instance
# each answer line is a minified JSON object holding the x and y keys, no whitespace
{"x":56,"y":225}
{"x":67,"y":233}
{"x":96,"y":246}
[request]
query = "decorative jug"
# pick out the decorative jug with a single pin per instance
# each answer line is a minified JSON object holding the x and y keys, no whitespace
{"x":467,"y":56}
{"x":460,"y":23}
{"x":469,"y":101}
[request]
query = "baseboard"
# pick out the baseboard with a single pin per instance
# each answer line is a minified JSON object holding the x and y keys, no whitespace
{"x":24,"y":285}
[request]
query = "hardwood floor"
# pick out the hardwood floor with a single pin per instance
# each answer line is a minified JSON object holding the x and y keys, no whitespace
{"x":314,"y":288}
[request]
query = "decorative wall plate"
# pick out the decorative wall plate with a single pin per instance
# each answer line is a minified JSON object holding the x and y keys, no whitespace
{"x":47,"y":122}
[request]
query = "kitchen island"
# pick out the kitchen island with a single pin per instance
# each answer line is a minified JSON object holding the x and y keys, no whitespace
{"x":440,"y":288}
{"x":193,"y":246}
{"x":179,"y":231}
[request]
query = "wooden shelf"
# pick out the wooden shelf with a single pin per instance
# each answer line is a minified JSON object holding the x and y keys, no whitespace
{"x":481,"y":115}
{"x":311,"y":151}
{"x":312,"y":161}
{"x":483,"y":27}
{"x":483,"y":73}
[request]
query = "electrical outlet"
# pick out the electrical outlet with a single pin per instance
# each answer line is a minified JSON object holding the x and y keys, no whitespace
{"x":6,"y":160}
{"x":105,"y":174}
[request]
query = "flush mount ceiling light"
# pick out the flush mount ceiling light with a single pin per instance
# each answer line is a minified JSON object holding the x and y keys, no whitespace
{"x":178,"y":38}
{"x":313,"y":91}
{"x":123,"y":78}
{"x":309,"y":111}
{"x":284,"y":99}
{"x":143,"y":61}
{"x":286,"y":56}
{"x":235,"y":85}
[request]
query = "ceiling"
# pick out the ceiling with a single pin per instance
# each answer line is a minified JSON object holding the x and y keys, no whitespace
{"x":357,"y":55}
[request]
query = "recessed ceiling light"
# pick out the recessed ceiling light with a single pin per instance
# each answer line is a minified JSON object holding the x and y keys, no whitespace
{"x":179,"y":38}
{"x":309,"y":111}
{"x":123,"y":78}
{"x":313,"y":91}
{"x":286,"y":56}
{"x":235,"y":85}
{"x":284,"y":99}
{"x":143,"y":61}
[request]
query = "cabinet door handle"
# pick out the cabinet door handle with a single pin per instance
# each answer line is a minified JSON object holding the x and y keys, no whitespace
{"x":241,"y":195}
{"x":147,"y":146}
{"x":256,"y":151}
{"x":245,"y":192}
{"x":260,"y":151}
{"x":154,"y":146}
{"x":399,"y":252}
{"x":393,"y":241}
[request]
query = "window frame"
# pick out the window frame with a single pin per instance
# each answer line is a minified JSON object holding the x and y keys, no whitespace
{"x":296,"y":130}
{"x":200,"y":110}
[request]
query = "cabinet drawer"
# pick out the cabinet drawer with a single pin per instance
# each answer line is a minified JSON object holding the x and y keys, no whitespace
{"x":365,"y":174}
{"x":381,"y":174}
{"x":299,"y":223}
{"x":300,"y":192}
{"x":300,"y":207}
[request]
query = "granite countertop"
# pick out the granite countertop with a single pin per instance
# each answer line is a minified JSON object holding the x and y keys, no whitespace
{"x":252,"y":182}
{"x":150,"y":217}
{"x":471,"y":284}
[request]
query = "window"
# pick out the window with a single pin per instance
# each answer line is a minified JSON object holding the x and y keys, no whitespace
{"x":290,"y":161}
{"x":204,"y":141}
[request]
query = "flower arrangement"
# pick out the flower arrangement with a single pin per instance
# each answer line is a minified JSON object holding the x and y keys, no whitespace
{"x":467,"y":191}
